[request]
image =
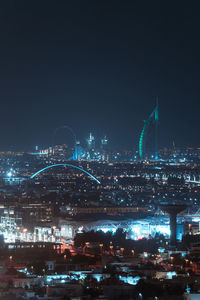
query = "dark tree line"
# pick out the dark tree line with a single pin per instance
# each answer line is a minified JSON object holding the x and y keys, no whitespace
{"x":118,"y":240}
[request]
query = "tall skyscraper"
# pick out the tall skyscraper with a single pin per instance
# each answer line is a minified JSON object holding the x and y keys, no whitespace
{"x":91,"y":142}
{"x":104,"y":142}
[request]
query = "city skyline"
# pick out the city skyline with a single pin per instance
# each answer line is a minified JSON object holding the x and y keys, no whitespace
{"x":67,"y":136}
{"x":98,"y":65}
{"x":99,"y":151}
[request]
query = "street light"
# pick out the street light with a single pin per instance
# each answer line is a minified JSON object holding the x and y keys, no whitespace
{"x":122,"y":251}
{"x":190,"y":225}
{"x":111,"y":249}
{"x":101,"y":248}
{"x":84,"y":248}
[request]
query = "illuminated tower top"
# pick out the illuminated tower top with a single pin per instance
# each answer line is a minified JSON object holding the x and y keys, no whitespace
{"x":91,"y":141}
{"x":104,"y":141}
{"x":154,"y":116}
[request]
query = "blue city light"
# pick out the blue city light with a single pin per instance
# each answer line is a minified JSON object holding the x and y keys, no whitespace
{"x":108,"y":229}
{"x":38,"y":153}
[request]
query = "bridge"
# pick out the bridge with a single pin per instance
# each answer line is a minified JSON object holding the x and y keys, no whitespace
{"x":65,"y":165}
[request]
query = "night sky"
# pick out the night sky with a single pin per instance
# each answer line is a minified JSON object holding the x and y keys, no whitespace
{"x":97,"y":66}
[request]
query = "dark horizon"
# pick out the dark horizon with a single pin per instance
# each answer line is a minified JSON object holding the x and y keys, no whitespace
{"x":98,"y":67}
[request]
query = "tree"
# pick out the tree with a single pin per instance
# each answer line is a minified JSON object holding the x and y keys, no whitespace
{"x":37,"y":268}
{"x":148,"y":289}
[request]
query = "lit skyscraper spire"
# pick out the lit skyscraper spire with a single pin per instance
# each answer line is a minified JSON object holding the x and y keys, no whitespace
{"x":154,"y":116}
{"x":91,"y":141}
{"x":104,"y":142}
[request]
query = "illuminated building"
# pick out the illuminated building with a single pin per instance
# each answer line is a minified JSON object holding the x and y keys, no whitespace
{"x":104,"y":142}
{"x":34,"y":213}
{"x":107,"y":210}
{"x":154,"y":117}
{"x":91,"y":142}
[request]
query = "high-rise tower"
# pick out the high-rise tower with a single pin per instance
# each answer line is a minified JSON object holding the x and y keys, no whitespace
{"x":104,"y":142}
{"x":153,"y":117}
{"x":91,"y":142}
{"x":156,"y":119}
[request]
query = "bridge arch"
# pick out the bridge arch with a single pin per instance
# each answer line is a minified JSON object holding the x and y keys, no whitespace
{"x":65,"y":165}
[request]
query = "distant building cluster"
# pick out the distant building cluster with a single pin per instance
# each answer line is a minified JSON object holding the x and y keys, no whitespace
{"x":105,"y":209}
